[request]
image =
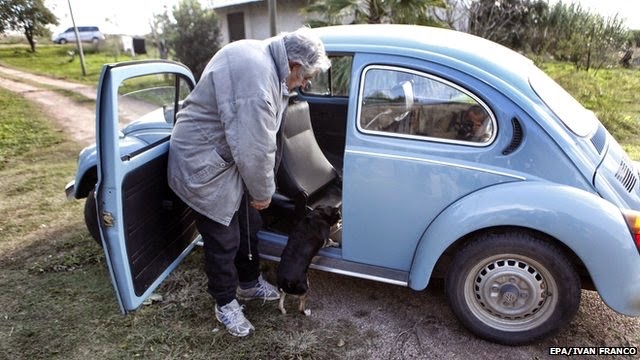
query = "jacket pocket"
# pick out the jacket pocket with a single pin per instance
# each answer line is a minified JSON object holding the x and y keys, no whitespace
{"x":210,"y":168}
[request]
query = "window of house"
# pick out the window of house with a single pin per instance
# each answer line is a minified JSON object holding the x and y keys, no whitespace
{"x":412,"y":104}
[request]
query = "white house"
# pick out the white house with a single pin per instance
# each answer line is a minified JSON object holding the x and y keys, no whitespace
{"x":249,"y":19}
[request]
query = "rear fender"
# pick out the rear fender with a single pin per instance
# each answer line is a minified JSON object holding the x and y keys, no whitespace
{"x":593,"y":228}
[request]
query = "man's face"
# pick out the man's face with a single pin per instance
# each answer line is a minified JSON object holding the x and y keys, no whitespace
{"x":477,"y":119}
{"x":297,"y":77}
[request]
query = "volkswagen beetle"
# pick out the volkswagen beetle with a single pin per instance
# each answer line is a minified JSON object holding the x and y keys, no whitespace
{"x":449,"y":155}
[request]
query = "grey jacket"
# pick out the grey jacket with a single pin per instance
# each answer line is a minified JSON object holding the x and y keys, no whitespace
{"x":224,"y":139}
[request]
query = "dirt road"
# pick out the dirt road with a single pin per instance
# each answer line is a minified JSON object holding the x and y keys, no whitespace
{"x":406,"y":324}
{"x":76,"y":120}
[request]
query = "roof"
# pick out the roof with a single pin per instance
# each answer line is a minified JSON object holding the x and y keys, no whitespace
{"x":448,"y":47}
{"x":218,"y":4}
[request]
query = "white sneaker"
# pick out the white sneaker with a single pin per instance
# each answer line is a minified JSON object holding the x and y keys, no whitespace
{"x":233,"y":319}
{"x":263,"y":290}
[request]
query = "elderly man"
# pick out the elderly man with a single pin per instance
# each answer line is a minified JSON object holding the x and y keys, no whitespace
{"x":222,"y":158}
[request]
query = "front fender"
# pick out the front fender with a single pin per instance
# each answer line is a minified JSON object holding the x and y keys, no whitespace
{"x":593,"y":228}
{"x":86,"y":175}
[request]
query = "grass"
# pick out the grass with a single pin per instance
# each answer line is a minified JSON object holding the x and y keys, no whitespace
{"x":611,"y":93}
{"x":21,"y":134}
{"x":63,"y":61}
{"x":56,"y":298}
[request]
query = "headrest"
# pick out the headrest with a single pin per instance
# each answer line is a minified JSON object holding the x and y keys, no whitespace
{"x":297,"y":119}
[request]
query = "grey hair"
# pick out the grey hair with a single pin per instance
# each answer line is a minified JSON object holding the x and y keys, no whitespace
{"x":305,"y":48}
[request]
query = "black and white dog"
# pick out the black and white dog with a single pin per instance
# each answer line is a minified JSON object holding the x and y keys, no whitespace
{"x":306,"y":239}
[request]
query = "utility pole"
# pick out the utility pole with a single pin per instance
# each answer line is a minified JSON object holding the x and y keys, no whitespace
{"x":78,"y":42}
{"x":273,"y":12}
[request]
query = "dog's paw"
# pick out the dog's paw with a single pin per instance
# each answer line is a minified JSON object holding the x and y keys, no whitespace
{"x":283,"y":311}
{"x":331,"y":243}
{"x":307,"y":312}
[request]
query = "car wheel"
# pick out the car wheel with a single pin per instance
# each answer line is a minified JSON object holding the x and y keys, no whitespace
{"x":62,"y":41}
{"x":95,"y":41}
{"x":91,"y":217}
{"x":512,"y":287}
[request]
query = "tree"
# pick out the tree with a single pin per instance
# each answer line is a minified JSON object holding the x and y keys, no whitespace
{"x":454,"y":15}
{"x":159,"y":33}
{"x":333,"y":12}
{"x":507,"y":22}
{"x":192,"y":35}
{"x":586,"y":39}
{"x":565,"y":32}
{"x":27,"y":16}
{"x":635,"y":37}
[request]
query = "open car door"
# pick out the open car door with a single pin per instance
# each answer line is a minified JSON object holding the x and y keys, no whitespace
{"x":146,"y":230}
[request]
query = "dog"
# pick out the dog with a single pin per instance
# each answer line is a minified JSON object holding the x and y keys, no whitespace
{"x":305,"y":240}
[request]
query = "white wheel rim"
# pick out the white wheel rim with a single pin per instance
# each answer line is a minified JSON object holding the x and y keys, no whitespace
{"x":510,"y":292}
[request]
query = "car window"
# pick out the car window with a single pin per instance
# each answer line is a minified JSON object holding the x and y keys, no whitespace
{"x":333,"y":82}
{"x":579,"y":120}
{"x":396,"y":101}
{"x":143,"y":95}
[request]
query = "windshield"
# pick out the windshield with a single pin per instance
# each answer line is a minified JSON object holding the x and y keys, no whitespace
{"x":142,"y":95}
{"x":579,"y":120}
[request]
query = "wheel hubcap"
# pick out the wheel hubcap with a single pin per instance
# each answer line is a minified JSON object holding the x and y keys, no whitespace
{"x":511,"y":293}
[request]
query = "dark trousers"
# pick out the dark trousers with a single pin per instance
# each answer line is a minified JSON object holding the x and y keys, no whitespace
{"x":227,"y":249}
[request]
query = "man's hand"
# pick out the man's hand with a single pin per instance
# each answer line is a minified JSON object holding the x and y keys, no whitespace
{"x":260,"y":204}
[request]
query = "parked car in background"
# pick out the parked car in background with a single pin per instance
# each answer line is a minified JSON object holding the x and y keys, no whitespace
{"x":90,"y":34}
{"x":450,"y":156}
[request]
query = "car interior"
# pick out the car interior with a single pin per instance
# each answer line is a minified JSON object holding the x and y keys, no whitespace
{"x":305,"y":179}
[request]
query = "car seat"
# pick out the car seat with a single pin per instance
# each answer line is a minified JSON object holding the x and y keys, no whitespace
{"x":305,"y":178}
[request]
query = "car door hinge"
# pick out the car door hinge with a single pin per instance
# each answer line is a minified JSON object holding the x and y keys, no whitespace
{"x":107,"y":219}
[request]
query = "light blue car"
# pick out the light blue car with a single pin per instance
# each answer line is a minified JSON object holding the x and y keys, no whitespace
{"x":450,"y":156}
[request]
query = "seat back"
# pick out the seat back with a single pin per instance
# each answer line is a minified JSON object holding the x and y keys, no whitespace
{"x":304,"y":170}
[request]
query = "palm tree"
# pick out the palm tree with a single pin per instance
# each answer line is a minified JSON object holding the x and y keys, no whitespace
{"x":333,"y":12}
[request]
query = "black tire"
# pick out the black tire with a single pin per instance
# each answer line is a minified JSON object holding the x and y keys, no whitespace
{"x":512,"y":287}
{"x":91,"y":217}
{"x":62,"y":41}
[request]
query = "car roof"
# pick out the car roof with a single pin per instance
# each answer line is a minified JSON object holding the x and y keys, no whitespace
{"x":447,"y":47}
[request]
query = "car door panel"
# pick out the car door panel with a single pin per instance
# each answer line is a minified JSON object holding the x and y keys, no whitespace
{"x":398,"y":196}
{"x":146,"y":230}
{"x":398,"y":180}
{"x":158,"y":225}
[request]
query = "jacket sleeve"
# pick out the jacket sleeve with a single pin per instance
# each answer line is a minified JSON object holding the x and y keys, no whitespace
{"x":251,"y":136}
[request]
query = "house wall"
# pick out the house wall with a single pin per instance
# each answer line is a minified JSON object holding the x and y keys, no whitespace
{"x":256,"y":18}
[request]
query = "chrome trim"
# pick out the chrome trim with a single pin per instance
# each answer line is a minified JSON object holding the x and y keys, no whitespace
{"x":360,"y":275}
{"x":70,"y":190}
{"x":344,"y":272}
{"x":422,"y":137}
{"x":411,"y":158}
